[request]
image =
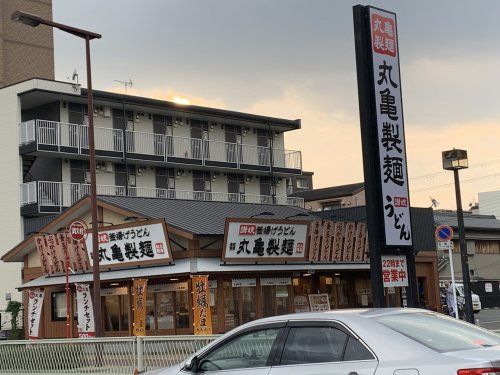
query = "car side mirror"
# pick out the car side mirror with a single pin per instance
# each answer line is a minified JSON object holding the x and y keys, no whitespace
{"x":192,"y":364}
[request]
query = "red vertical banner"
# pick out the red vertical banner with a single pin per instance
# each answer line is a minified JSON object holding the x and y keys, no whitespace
{"x":350,"y":232}
{"x":202,"y":322}
{"x":315,"y":242}
{"x":326,"y":241}
{"x":338,"y":241}
{"x":359,"y":244}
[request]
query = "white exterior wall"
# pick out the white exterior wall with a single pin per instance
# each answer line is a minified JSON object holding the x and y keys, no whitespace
{"x":63,"y":112}
{"x":489,"y":203}
{"x":184,"y":182}
{"x":253,"y":186}
{"x":11,"y":224}
{"x":220,"y":184}
{"x":143,"y":124}
{"x":103,"y":122}
{"x":217,"y":134}
{"x":249,"y":138}
{"x":181,"y":130}
{"x":147,"y":178}
{"x":279,"y":141}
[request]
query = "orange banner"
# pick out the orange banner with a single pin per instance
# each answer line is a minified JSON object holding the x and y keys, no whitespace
{"x":201,"y":306}
{"x":139,"y":306}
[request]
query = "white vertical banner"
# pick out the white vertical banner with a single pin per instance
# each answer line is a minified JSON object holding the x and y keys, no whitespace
{"x":391,"y":134}
{"x":35,"y":297}
{"x":86,"y":325}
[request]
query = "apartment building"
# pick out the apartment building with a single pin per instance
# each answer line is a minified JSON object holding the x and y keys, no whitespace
{"x":145,"y":148}
{"x":332,"y":198}
{"x":298,"y":183}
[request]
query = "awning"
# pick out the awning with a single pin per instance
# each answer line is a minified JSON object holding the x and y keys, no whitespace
{"x":191,"y":266}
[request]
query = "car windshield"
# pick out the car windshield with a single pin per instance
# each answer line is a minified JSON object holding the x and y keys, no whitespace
{"x":440,"y":333}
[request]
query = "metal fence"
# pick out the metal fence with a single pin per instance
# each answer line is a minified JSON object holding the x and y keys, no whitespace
{"x":117,"y":355}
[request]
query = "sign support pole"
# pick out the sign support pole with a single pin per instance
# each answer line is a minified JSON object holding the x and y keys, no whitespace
{"x":450,"y":257}
{"x":391,"y":194}
{"x":68,"y":295}
{"x":371,"y":168}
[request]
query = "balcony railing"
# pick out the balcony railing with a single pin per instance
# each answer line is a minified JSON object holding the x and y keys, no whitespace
{"x":53,"y":196}
{"x":73,"y":138}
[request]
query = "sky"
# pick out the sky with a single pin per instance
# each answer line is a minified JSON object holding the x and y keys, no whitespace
{"x":296,"y":59}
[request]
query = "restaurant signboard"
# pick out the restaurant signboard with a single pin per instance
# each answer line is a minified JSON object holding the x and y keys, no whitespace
{"x":265,"y":240}
{"x":139,"y":243}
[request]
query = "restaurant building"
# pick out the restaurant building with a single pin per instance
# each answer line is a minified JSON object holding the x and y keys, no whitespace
{"x":244,"y":284}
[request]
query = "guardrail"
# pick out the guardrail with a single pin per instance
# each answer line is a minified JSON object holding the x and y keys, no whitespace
{"x":115,"y":355}
{"x":64,"y":194}
{"x":73,"y":138}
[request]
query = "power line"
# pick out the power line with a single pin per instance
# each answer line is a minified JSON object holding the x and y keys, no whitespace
{"x":463,"y":181}
{"x":430,"y":175}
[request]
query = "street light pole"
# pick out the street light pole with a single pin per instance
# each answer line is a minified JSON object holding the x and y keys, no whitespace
{"x":34,"y":21}
{"x":463,"y":251}
{"x":454,"y":160}
{"x":93,"y":197}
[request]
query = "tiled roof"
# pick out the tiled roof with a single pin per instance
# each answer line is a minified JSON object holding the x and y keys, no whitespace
{"x":200,"y":217}
{"x":479,"y":222}
{"x":329,"y":192}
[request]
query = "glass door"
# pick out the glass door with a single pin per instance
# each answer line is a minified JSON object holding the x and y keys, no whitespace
{"x":165,"y":310}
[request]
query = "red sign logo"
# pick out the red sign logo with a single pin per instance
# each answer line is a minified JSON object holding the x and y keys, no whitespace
{"x":383,"y":35}
{"x":103,"y":238}
{"x":247,"y":230}
{"x":400,"y":202}
{"x":32,"y":295}
{"x":159,"y":248}
{"x":77,"y":230}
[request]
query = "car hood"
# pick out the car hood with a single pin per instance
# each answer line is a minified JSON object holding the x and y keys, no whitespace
{"x":481,"y":354}
{"x":173,"y":370}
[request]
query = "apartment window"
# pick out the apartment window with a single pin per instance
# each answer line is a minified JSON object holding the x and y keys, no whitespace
{"x":303,"y":183}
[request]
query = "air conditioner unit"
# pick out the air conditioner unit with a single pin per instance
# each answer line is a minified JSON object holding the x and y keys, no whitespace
{"x":107,"y":111}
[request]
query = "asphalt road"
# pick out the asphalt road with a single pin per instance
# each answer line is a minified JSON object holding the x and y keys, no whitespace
{"x":489,"y":319}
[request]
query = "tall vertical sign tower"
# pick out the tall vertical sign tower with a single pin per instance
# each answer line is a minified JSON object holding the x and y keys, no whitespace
{"x":384,"y":149}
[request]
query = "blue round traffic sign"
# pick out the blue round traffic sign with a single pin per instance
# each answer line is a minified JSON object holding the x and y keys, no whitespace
{"x":444,"y":233}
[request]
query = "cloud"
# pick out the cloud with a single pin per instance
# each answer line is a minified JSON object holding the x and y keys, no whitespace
{"x":170,"y":95}
{"x":330,"y":142}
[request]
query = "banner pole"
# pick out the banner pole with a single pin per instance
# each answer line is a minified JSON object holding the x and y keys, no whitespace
{"x":68,"y":305}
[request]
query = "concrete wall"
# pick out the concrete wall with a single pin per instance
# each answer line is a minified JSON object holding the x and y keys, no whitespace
{"x":489,"y":203}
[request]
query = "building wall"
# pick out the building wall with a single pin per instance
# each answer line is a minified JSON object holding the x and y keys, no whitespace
{"x":25,"y":52}
{"x":11,"y":227}
{"x":354,"y":200}
{"x":489,"y":203}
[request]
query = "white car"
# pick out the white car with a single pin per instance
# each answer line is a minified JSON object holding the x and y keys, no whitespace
{"x":350,"y":342}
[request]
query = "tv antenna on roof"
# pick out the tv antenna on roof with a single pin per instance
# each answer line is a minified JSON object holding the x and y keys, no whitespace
{"x":127,"y":84}
{"x":74,"y":78}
